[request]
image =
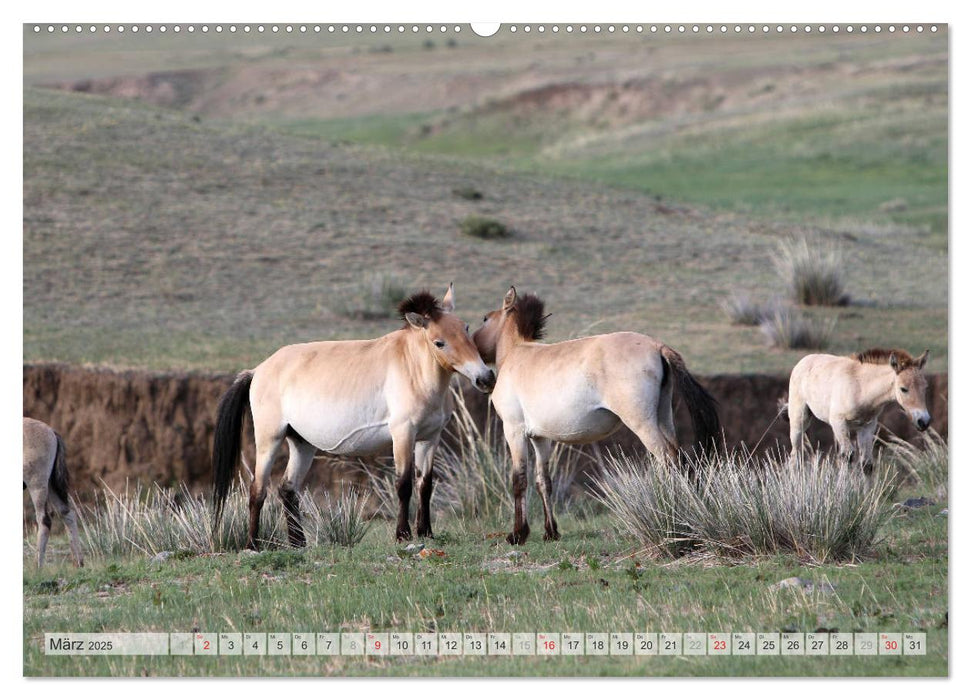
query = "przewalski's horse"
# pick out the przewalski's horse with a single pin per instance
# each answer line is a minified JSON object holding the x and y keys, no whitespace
{"x":351,"y":398}
{"x":45,"y":476}
{"x":581,"y":391}
{"x":849,"y":393}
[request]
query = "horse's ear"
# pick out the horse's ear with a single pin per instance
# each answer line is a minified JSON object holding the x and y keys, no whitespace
{"x":448,"y":301}
{"x":894,"y":363}
{"x":922,"y":360}
{"x":416,"y":321}
{"x":510,"y":299}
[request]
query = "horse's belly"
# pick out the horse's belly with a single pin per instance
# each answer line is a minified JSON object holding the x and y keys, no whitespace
{"x":574,"y":427}
{"x":348,"y":440}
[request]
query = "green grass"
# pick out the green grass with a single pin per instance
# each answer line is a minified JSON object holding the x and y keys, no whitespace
{"x":585,"y":582}
{"x":843,"y":165}
{"x":375,"y":129}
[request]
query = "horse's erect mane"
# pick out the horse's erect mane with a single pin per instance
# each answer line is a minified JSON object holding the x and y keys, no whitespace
{"x":881,"y":356}
{"x":530,"y":319}
{"x":422,"y":303}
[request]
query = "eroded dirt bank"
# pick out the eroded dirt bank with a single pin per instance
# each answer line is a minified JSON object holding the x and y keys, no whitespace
{"x":132,"y":426}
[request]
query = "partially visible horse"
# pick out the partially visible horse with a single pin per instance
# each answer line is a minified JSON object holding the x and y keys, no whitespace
{"x":352,"y":398}
{"x":46,"y":477}
{"x":580,"y":391}
{"x":849,"y":393}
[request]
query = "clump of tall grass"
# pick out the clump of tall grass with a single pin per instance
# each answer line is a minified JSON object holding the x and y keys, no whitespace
{"x":343,"y":521}
{"x":485,"y":228}
{"x":816,"y":508}
{"x":152,"y":520}
{"x":376,"y":297}
{"x":812,"y":270}
{"x":789,"y":329}
{"x":927,"y":464}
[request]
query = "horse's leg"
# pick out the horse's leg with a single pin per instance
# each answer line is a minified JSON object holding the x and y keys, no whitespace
{"x":298,"y":464}
{"x":639,"y":408}
{"x":67,"y":513}
{"x":798,"y":415}
{"x":266,"y":449}
{"x":424,"y":458}
{"x":649,"y":432}
{"x":516,"y":439}
{"x":403,"y":439}
{"x":39,"y":496}
{"x":865,"y":437}
{"x":844,"y":441}
{"x":542,"y":447}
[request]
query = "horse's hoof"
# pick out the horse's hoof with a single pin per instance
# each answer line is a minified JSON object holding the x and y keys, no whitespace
{"x":425,"y":532}
{"x":551,"y":535}
{"x":403,"y":535}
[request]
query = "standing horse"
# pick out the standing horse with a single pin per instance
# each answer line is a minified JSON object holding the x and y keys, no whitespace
{"x":580,"y":391}
{"x":352,"y":398}
{"x":45,"y":476}
{"x":849,"y":393}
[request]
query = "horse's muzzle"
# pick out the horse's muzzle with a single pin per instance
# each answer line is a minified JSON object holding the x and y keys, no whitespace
{"x":922,"y":424}
{"x":486,"y":382}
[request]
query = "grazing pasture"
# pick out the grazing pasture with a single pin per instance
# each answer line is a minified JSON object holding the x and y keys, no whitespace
{"x":230,"y":195}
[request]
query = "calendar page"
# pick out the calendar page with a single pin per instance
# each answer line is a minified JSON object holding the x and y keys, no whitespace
{"x":539,"y":349}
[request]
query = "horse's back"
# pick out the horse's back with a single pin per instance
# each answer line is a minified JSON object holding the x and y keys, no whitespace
{"x":819,"y":380}
{"x":821,"y":366}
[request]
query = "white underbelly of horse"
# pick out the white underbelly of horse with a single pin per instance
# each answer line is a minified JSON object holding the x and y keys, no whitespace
{"x":345,"y":438}
{"x":365,"y":432}
{"x":572,"y":427}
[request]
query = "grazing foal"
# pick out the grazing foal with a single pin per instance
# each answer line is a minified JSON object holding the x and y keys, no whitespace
{"x":580,"y":391}
{"x":352,"y":398}
{"x":849,"y":393}
{"x":45,"y":476}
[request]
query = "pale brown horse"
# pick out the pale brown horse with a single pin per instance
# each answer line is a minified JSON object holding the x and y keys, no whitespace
{"x":352,"y":398}
{"x":580,"y":391}
{"x":850,"y":393}
{"x":46,"y":477}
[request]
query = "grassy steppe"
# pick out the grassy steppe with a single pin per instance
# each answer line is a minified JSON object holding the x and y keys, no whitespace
{"x":155,"y":240}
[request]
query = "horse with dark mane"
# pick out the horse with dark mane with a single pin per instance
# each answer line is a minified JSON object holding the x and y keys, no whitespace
{"x":352,"y":398}
{"x":580,"y":391}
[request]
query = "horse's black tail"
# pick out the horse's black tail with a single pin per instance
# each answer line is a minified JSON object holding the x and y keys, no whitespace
{"x":701,"y":405}
{"x":226,"y":440}
{"x":59,"y":482}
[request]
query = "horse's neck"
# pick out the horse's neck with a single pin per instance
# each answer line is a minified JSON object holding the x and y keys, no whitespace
{"x":877,"y":384}
{"x":508,"y":341}
{"x":428,"y":376}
